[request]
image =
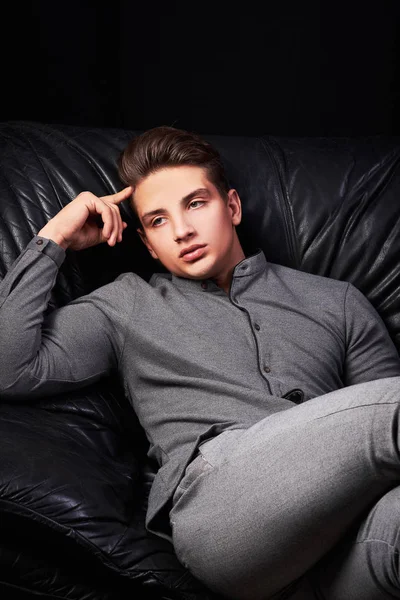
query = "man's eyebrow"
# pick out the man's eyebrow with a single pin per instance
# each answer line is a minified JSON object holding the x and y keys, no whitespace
{"x":199,"y":192}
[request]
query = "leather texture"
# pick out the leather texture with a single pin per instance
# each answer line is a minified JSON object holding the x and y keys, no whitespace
{"x":74,"y":477}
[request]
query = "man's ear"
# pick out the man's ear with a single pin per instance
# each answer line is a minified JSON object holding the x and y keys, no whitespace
{"x":235,"y":207}
{"x":146,"y":243}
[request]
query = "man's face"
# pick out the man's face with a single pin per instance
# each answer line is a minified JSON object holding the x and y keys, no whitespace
{"x":181,"y":210}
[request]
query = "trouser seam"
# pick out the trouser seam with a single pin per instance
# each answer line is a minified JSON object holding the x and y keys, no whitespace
{"x":376,"y":540}
{"x":370,"y":405}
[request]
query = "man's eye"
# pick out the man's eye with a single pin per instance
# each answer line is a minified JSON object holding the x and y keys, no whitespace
{"x":197,"y":202}
{"x":157,"y":222}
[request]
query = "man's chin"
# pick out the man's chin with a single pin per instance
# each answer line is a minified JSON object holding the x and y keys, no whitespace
{"x":197,"y":270}
{"x":197,"y":276}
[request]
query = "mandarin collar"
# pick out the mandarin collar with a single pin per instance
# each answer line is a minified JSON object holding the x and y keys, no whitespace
{"x":248,"y":267}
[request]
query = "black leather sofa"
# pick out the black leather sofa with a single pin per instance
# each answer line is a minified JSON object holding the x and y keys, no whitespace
{"x":74,"y":477}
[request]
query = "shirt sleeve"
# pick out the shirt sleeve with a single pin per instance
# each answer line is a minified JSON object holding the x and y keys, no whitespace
{"x":370,"y":351}
{"x":69,"y":348}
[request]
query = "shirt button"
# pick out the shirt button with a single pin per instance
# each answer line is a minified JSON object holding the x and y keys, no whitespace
{"x":267,"y":369}
{"x":257,"y":327}
{"x":39,"y":242}
{"x":204,"y":285}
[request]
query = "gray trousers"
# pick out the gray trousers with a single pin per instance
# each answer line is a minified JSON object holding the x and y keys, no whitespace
{"x":305,"y":504}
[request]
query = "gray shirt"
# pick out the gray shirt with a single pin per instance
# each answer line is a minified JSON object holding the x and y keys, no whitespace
{"x":194,"y":360}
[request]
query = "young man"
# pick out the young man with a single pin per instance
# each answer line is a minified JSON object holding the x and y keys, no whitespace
{"x":270,"y":397}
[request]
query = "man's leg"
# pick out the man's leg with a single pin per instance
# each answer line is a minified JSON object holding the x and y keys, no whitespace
{"x":263,"y":505}
{"x":365,"y":565}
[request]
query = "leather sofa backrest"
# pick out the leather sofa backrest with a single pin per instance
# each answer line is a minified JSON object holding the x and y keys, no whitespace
{"x":323,"y":205}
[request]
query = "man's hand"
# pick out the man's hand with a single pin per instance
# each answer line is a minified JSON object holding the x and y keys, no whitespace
{"x":76,"y":225}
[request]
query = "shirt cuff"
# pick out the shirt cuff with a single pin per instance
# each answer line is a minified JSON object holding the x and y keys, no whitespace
{"x":48,"y":247}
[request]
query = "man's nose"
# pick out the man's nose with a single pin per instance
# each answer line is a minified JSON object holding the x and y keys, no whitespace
{"x":182,"y":229}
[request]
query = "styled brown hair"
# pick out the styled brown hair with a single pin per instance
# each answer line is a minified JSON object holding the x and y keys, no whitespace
{"x":163,"y":147}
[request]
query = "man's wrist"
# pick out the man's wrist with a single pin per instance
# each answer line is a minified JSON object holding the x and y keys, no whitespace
{"x":50,"y":234}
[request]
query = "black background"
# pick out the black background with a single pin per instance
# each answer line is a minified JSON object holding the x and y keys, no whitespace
{"x":294,"y":68}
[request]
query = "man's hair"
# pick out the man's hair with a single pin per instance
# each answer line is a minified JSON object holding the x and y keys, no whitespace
{"x":163,"y":147}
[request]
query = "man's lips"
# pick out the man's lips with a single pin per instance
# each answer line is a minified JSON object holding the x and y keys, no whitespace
{"x":192,"y":252}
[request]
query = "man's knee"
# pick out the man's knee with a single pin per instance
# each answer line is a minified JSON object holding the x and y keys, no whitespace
{"x":365,"y":565}
{"x":379,"y":537}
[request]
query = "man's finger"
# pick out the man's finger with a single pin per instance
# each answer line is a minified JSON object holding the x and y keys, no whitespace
{"x":106,"y":214}
{"x":119,"y":196}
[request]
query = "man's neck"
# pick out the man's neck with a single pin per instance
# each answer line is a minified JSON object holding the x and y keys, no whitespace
{"x":224,"y":282}
{"x":224,"y":279}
